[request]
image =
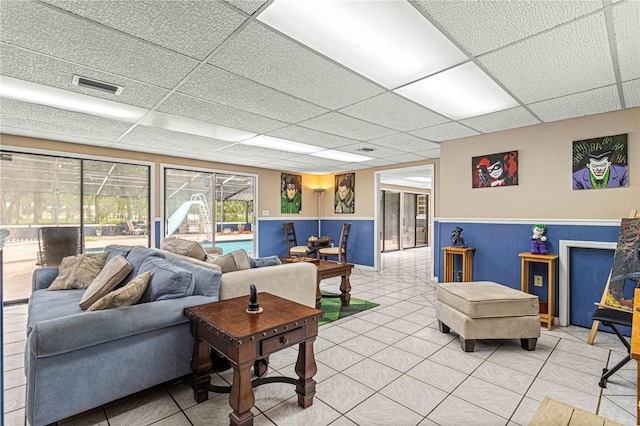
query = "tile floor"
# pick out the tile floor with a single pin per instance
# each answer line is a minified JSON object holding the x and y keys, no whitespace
{"x":386,"y":366}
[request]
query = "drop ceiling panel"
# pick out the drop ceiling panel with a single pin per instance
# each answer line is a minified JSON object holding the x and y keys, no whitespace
{"x":502,"y":120}
{"x":40,"y":28}
{"x":41,"y":69}
{"x":62,"y":130}
{"x":554,"y":63}
{"x":631,"y":90}
{"x":396,"y":112}
{"x":405,"y":157}
{"x":310,"y":137}
{"x":262,"y":55}
{"x":405,"y":142}
{"x":247,"y":6}
{"x":249,"y":151}
{"x":220,"y":157}
{"x":443,"y":132}
{"x":379,"y":151}
{"x":509,"y":21}
{"x":587,"y":103}
{"x":153,"y":136}
{"x":217,"y":85}
{"x":208,"y":112}
{"x":62,"y":119}
{"x":626,"y":24}
{"x":35,"y":132}
{"x":348,"y":127}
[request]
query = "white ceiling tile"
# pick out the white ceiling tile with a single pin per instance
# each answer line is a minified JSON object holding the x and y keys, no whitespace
{"x":631,"y":90}
{"x":482,"y":26}
{"x":62,"y":130}
{"x":378,"y":151}
{"x":405,"y":157}
{"x":310,"y":137}
{"x":29,"y":66}
{"x":378,"y":162}
{"x":226,"y":157}
{"x":626,"y":24}
{"x":154,"y":136}
{"x":405,"y":142}
{"x":443,"y":132}
{"x":556,"y":63}
{"x":249,"y":151}
{"x":42,"y":29}
{"x":348,"y":127}
{"x":247,"y":6}
{"x":393,"y":111}
{"x":62,"y":118}
{"x":34,"y":132}
{"x":587,"y":103}
{"x":217,"y":85}
{"x":194,"y":28}
{"x":208,"y":112}
{"x":264,"y":56}
{"x":502,"y":120}
{"x":433,"y":153}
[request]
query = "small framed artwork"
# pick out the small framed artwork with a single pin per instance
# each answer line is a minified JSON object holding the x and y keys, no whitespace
{"x":290,"y":195}
{"x":600,"y":163}
{"x":495,"y":170}
{"x":345,"y":198}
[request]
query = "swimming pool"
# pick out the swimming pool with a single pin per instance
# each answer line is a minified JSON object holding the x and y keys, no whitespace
{"x":229,"y":246}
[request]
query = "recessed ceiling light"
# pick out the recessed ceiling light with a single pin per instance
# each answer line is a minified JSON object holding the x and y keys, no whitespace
{"x":281,"y":145}
{"x":347,"y":157}
{"x":389,"y":42}
{"x":194,"y":127}
{"x":461,"y":92}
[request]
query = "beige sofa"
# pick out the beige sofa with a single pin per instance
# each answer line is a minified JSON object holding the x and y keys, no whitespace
{"x":292,"y":281}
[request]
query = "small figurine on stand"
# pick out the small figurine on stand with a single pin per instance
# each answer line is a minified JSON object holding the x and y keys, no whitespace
{"x":538,"y":240}
{"x":456,"y":237}
{"x":254,"y":306}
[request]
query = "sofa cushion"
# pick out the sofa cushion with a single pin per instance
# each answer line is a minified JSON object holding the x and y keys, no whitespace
{"x":486,"y":299}
{"x":237,"y":260}
{"x":207,"y":275}
{"x":124,"y":296}
{"x":136,"y":258}
{"x":77,"y":272}
{"x":167,"y":281}
{"x":110,"y":276}
{"x":261,"y":262}
{"x":47,"y":305}
{"x":115,"y":250}
{"x":184,"y":247}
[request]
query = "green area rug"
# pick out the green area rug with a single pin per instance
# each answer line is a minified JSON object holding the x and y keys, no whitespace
{"x":333,"y":309}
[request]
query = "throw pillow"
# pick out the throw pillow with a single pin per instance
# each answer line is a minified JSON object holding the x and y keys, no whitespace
{"x":124,"y":296}
{"x":110,"y":276}
{"x":184,"y":247}
{"x":237,"y":260}
{"x":261,"y":262}
{"x":78,"y":271}
{"x":167,"y":280}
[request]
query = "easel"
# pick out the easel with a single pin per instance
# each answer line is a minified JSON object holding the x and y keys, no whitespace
{"x":596,"y":324}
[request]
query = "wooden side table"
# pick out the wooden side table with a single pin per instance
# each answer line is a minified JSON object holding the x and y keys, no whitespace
{"x":550,"y":261}
{"x":467,"y":263}
{"x":248,"y":340}
{"x":635,"y":343}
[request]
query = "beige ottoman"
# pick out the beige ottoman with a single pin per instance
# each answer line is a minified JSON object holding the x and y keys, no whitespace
{"x":487,"y":310}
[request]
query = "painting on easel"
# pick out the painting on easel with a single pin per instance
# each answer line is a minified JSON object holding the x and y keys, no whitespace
{"x":625,"y":275}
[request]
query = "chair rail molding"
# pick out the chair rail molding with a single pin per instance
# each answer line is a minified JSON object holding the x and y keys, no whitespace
{"x":565,"y":247}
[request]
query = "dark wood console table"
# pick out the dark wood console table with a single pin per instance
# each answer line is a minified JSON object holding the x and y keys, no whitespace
{"x":248,"y":340}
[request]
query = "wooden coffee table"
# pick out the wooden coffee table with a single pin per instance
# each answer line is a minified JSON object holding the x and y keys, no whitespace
{"x":248,"y":340}
{"x":328,"y":269}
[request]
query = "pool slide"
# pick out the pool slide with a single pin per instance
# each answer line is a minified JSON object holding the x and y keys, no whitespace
{"x":178,"y":216}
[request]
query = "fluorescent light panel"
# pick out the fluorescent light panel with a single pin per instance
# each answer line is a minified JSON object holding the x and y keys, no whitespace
{"x":389,"y":42}
{"x":194,"y":127}
{"x":347,"y":157}
{"x":461,"y":92}
{"x":281,"y":145}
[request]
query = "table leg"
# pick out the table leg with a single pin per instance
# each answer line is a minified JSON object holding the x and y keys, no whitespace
{"x":345,"y":290}
{"x":241,"y":397}
{"x":318,"y":294}
{"x":306,"y":368}
{"x":201,"y":366}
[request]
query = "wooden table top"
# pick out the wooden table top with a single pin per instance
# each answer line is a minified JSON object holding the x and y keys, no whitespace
{"x":230,"y":316}
{"x":635,"y":326}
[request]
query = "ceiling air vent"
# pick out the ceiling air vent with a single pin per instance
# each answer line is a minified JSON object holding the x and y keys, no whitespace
{"x":366,"y":149}
{"x":97,"y":85}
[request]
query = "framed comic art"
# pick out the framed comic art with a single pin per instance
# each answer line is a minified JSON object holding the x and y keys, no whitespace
{"x":345,"y":196}
{"x":290,"y":195}
{"x":495,"y":170}
{"x":600,"y":163}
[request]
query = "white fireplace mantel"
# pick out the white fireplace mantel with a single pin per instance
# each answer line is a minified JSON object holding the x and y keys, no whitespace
{"x":564,"y":278}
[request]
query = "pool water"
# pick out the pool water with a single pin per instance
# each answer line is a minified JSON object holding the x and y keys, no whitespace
{"x":229,"y":246}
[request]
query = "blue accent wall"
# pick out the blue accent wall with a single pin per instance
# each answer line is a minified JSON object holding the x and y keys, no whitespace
{"x":496,"y":259}
{"x":361,"y":242}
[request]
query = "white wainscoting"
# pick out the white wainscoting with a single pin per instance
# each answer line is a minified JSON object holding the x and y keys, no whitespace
{"x":564,"y":278}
